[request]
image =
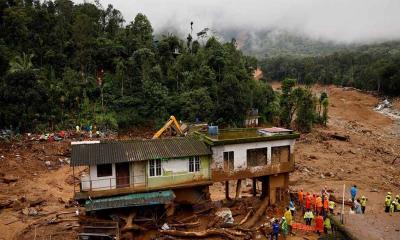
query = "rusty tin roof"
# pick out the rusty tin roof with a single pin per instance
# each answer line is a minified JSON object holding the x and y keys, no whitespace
{"x":137,"y":150}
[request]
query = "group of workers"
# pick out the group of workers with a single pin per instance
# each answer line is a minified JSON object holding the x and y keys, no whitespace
{"x":317,"y":207}
{"x":392,"y":204}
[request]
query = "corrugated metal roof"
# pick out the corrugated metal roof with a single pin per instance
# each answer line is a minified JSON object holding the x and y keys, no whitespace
{"x":130,"y":200}
{"x":137,"y":150}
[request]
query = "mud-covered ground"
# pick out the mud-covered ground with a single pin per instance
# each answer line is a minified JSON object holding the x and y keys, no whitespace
{"x":370,"y":159}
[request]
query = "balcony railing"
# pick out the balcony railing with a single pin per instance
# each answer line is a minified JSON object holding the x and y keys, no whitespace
{"x":139,"y":181}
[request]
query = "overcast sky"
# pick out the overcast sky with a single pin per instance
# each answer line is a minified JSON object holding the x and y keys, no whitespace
{"x":338,"y":20}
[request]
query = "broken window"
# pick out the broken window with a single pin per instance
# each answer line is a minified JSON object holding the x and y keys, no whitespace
{"x":194,"y":164}
{"x":280,"y":154}
{"x":257,"y":157}
{"x":104,"y":170}
{"x":155,"y":167}
{"x":228,"y":161}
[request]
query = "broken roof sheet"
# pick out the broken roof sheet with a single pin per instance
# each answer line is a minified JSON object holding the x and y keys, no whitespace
{"x":130,"y":200}
{"x":275,"y":130}
{"x":137,"y":150}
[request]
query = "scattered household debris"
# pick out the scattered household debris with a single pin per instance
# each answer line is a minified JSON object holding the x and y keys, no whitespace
{"x":384,"y":104}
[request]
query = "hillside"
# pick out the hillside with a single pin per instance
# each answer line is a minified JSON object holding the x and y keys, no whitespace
{"x":282,"y":43}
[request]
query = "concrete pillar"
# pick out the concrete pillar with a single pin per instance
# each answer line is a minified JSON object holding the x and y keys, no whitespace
{"x":238,"y":188}
{"x":265,"y":187}
{"x":254,"y":187}
{"x":227,"y":190}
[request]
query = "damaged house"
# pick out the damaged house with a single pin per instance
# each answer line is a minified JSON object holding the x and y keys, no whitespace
{"x":161,"y":170}
{"x":180,"y":169}
{"x":265,"y":155}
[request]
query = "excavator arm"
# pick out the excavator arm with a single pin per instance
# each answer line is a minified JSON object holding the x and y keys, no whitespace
{"x":172,"y":122}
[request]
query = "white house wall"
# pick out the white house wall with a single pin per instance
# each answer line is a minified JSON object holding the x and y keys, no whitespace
{"x":175,"y":165}
{"x":240,"y":152}
{"x":99,"y":183}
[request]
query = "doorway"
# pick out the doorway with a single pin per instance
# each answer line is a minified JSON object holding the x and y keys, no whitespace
{"x":122,"y":174}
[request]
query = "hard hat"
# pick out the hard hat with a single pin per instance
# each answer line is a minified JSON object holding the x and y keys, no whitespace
{"x":389,"y":193}
{"x":397,"y":196}
{"x":363,"y":197}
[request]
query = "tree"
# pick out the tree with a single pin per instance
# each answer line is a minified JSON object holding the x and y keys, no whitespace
{"x":305,"y":110}
{"x":287,"y":102}
{"x":21,"y":63}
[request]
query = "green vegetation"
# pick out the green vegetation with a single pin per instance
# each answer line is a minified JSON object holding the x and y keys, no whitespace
{"x":373,"y":67}
{"x":63,"y":64}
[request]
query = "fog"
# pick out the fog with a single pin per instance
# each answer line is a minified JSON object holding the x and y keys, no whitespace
{"x":342,"y":21}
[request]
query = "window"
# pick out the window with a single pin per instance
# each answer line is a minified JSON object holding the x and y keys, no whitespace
{"x":228,"y":161}
{"x":104,"y":170}
{"x":280,"y":154}
{"x":194,"y":164}
{"x":155,"y":167}
{"x":257,"y":157}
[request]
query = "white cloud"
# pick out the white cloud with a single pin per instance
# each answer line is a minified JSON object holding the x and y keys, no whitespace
{"x":337,"y":20}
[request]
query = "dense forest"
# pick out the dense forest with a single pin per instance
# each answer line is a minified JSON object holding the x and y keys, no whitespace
{"x":372,"y":67}
{"x":63,"y":64}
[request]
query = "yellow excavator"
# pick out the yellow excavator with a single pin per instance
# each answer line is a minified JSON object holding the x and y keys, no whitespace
{"x":172,"y":124}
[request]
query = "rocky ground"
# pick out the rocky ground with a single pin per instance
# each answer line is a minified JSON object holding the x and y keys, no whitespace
{"x":36,"y":181}
{"x":370,"y":159}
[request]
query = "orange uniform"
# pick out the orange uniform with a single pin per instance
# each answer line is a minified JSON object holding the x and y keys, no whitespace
{"x":319,"y":223}
{"x":301,"y":196}
{"x":313,"y":203}
{"x":326,"y":204}
{"x":308,"y":201}
{"x":318,"y":204}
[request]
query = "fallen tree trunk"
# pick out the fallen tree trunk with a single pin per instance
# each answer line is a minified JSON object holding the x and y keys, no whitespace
{"x":260,"y":211}
{"x":203,"y":234}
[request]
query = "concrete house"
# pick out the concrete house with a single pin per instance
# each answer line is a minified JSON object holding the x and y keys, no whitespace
{"x":265,"y":155}
{"x":137,"y":166}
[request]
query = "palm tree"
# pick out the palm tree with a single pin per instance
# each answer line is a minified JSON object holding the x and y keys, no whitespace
{"x":21,"y":63}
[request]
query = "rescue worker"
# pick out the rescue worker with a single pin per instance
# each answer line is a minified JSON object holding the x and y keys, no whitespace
{"x":353,"y":192}
{"x":308,"y":201}
{"x":318,"y":204}
{"x":314,"y":206}
{"x":291,"y":207}
{"x":363,"y":203}
{"x":326,"y":205}
{"x":275,"y":229}
{"x":300,"y":196}
{"x":308,"y":216}
{"x":319,"y":224}
{"x":388,"y":201}
{"x":392,"y":206}
{"x":357,"y":206}
{"x":398,"y":203}
{"x":284,"y":227}
{"x":288,"y":217}
{"x":331,"y":206}
{"x":327,"y":225}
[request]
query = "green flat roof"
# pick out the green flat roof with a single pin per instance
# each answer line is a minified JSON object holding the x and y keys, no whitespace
{"x":243,"y":135}
{"x":130,"y":200}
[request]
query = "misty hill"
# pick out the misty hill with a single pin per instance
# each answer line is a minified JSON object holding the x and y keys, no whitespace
{"x":275,"y":42}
